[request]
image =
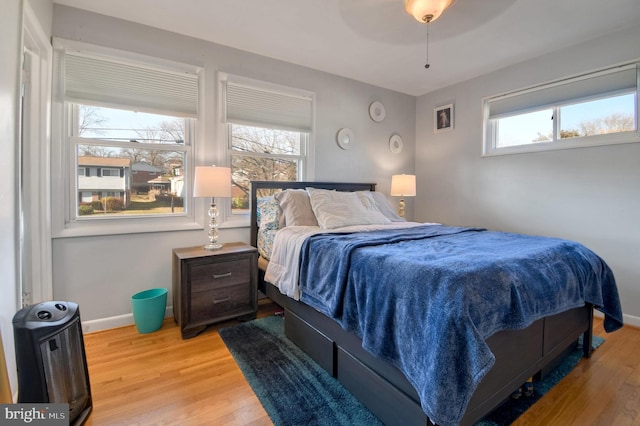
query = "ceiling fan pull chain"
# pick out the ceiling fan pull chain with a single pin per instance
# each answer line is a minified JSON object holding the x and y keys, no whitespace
{"x":428,"y":20}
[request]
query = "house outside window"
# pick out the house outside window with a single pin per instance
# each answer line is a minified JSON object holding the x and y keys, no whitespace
{"x":269,"y":132}
{"x":598,"y":108}
{"x":125,"y":123}
{"x":103,"y":177}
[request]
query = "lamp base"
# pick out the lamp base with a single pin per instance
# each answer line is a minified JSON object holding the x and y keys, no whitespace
{"x":213,"y":228}
{"x":212,"y":246}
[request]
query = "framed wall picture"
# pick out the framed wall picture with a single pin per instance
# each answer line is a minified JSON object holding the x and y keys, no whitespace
{"x":443,"y":118}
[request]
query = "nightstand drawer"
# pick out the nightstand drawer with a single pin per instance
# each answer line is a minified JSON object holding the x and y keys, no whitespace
{"x":220,"y":274}
{"x":221,"y":302}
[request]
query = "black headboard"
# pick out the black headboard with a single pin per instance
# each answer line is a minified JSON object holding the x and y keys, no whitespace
{"x":265,"y":188}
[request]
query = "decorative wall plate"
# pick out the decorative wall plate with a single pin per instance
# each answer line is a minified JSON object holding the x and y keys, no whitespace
{"x":345,"y":138}
{"x":377,"y":111}
{"x":395,"y":144}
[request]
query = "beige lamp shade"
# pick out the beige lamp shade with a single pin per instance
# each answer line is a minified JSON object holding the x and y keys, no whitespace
{"x":212,"y":181}
{"x":403,"y":185}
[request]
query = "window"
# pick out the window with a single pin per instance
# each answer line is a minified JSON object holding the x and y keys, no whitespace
{"x":111,"y":172}
{"x":144,"y":148}
{"x":259,"y":153}
{"x":127,"y":124}
{"x":594,"y":109}
{"x":269,"y":135}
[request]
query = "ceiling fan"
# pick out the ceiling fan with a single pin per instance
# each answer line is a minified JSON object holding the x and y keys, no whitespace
{"x":385,"y":22}
{"x":426,"y":11}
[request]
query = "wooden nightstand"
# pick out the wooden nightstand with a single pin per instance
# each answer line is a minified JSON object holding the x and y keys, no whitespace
{"x":213,"y":286}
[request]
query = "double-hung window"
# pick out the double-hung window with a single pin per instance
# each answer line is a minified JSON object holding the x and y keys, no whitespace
{"x":125,"y":140}
{"x":594,"y":109}
{"x":269,"y":134}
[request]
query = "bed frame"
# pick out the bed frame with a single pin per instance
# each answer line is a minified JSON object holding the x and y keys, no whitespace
{"x":383,"y":389}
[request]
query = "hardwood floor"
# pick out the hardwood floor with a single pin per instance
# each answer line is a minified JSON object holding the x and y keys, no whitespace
{"x":602,"y":390}
{"x":160,"y":379}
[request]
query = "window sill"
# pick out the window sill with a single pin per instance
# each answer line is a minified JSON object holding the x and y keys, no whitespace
{"x":125,"y":226}
{"x":133,"y":226}
{"x":584,"y":142}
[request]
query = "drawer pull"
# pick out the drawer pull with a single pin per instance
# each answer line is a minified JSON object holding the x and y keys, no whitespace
{"x":215,"y":276}
{"x":226,"y":299}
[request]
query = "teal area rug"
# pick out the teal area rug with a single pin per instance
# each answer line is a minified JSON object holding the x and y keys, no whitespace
{"x":294,"y":390}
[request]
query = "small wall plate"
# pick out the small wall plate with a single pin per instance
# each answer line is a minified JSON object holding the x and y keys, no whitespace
{"x":395,"y":144}
{"x":345,"y":138}
{"x":377,"y":111}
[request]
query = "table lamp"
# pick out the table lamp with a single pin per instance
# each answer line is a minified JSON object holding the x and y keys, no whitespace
{"x":403,"y":186}
{"x":212,"y":181}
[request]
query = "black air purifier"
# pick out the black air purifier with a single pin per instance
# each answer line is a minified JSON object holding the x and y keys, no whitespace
{"x":52,"y":365}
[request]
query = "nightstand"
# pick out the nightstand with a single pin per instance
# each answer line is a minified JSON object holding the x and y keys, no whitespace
{"x":214,"y":285}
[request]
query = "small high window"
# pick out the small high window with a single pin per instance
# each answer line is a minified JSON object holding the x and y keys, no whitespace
{"x":595,"y":109}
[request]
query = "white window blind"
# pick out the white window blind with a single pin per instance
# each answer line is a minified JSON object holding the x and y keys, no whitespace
{"x":104,"y":81}
{"x":253,"y":105}
{"x":605,"y":82}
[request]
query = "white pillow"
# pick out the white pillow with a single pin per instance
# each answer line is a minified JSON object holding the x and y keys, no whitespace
{"x":296,"y":209}
{"x":334,"y":209}
{"x":382,"y":204}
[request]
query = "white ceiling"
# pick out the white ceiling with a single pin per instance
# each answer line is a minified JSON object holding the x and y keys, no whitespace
{"x":376,"y":41}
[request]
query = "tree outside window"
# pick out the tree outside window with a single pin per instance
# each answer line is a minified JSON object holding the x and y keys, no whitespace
{"x":266,"y":154}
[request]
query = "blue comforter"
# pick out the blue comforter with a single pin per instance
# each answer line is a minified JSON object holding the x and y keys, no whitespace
{"x":426,"y":298}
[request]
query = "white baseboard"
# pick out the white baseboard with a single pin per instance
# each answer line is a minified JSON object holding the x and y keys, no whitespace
{"x":114,"y":322}
{"x":628,"y":319}
{"x":631,"y":320}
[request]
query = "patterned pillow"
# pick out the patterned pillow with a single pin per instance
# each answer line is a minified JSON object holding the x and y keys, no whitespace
{"x":265,"y":242}
{"x":268,"y":213}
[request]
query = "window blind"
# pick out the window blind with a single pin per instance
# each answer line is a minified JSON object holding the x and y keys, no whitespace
{"x":108,"y":82}
{"x":602,"y":83}
{"x":263,"y":107}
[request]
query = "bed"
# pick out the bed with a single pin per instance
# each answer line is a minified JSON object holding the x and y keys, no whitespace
{"x":334,"y":336}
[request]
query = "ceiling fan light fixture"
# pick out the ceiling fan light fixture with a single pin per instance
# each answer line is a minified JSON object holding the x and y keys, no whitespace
{"x":426,"y":10}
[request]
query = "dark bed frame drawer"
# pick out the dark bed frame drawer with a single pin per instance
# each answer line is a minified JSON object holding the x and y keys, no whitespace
{"x":571,"y":323}
{"x":318,"y":346}
{"x":367,"y":386}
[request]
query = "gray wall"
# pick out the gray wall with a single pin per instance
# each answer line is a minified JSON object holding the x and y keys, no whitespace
{"x":590,"y":195}
{"x":101,"y":273}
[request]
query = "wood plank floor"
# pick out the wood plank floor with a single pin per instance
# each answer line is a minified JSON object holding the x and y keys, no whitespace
{"x":160,"y":379}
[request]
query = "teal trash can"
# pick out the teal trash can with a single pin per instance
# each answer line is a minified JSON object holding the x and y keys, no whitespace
{"x":148,"y":309}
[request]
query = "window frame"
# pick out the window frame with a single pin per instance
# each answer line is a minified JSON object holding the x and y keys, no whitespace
{"x":490,"y":124}
{"x":306,"y":170}
{"x":110,"y":170}
{"x":301,"y":159}
{"x":64,"y":218}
